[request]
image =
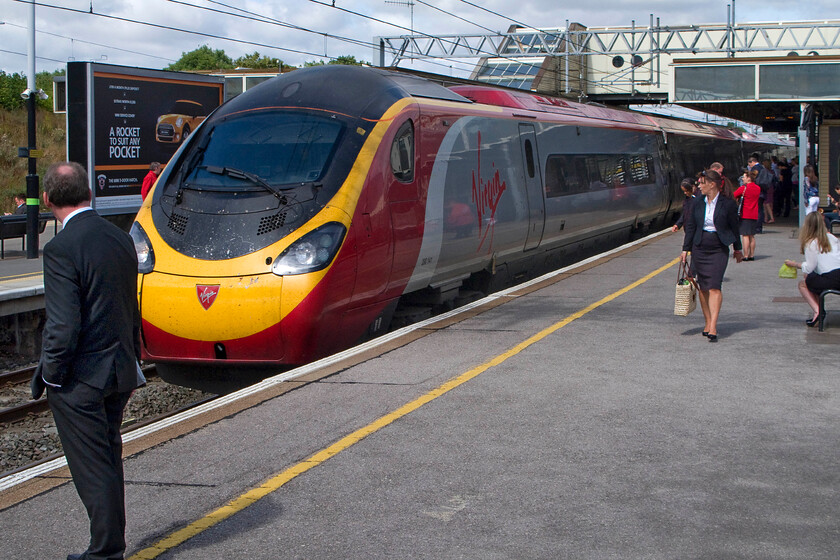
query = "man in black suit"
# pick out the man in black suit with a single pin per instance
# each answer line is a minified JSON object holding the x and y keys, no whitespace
{"x":20,"y":204}
{"x":91,"y":346}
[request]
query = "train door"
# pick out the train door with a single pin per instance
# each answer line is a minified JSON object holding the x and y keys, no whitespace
{"x":533,"y":185}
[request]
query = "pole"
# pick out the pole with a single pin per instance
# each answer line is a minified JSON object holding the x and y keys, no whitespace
{"x":32,"y":188}
{"x":803,"y":160}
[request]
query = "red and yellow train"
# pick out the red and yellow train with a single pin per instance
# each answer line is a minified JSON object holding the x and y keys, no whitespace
{"x":329,"y":204}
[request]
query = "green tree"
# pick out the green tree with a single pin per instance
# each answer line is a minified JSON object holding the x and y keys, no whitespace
{"x":348,"y":60}
{"x":257,"y":62}
{"x":12,"y":85}
{"x":202,"y":58}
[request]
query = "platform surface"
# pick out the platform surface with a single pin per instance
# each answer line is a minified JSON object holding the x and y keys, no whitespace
{"x":578,"y":418}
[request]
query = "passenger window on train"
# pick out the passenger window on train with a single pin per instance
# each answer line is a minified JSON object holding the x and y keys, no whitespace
{"x":402,"y":153}
{"x":579,"y":173}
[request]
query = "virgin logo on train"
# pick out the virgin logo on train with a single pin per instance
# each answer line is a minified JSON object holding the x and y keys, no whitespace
{"x":486,"y":196}
{"x":206,"y":294}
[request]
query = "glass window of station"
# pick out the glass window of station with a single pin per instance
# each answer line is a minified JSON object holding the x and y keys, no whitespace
{"x":714,"y":83}
{"x":799,"y":81}
{"x":234,"y":85}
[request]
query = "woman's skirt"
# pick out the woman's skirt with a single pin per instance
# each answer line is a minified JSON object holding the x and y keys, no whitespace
{"x":748,"y":227}
{"x":708,"y":260}
{"x":828,"y":281}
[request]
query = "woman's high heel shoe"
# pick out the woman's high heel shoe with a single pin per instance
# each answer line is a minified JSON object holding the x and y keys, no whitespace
{"x":712,"y":338}
{"x":815,"y":321}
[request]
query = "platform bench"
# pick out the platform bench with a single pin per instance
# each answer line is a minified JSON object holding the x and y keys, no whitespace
{"x":13,"y":226}
{"x":822,"y":305}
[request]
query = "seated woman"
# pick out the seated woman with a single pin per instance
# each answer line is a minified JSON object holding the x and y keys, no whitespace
{"x":811,"y":192}
{"x":822,"y":262}
{"x":833,"y":211}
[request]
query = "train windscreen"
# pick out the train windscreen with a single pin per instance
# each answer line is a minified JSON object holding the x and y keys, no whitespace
{"x":277,"y":148}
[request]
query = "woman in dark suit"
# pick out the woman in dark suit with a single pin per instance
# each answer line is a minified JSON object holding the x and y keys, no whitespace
{"x":710,"y":228}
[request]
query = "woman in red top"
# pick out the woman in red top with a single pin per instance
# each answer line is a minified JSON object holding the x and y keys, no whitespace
{"x":749,"y":212}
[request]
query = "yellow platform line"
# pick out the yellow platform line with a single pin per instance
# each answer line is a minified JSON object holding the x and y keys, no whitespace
{"x":277,"y":481}
{"x":21,"y":276}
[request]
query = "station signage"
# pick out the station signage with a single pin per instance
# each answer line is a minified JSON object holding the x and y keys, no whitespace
{"x":121,"y":119}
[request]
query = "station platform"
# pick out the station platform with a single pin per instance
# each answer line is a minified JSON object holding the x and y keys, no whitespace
{"x":571,"y":417}
{"x":22,"y":279}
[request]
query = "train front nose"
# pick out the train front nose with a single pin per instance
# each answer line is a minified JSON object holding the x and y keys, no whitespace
{"x":193,"y":319}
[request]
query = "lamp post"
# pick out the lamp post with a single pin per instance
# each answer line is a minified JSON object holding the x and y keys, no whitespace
{"x":31,"y":95}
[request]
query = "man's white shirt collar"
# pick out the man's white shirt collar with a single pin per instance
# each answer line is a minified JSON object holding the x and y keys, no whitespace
{"x":73,"y":213}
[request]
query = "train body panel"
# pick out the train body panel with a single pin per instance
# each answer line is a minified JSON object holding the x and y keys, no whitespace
{"x":307,"y":215}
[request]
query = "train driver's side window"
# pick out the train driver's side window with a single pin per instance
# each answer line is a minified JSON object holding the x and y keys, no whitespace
{"x":402,"y":153}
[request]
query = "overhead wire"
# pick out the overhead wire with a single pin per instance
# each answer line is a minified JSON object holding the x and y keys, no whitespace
{"x":457,"y":17}
{"x":425,"y":35}
{"x":38,"y":57}
{"x":266,"y":19}
{"x":499,"y":15}
{"x":249,"y":15}
{"x":433,"y":37}
{"x":88,"y":43}
{"x":167,"y":27}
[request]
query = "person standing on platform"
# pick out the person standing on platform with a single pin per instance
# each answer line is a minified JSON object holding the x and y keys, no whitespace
{"x":91,"y":346}
{"x":687,"y":187}
{"x":709,"y":230}
{"x":785,"y":190}
{"x":749,"y":213}
{"x":150,"y":178}
{"x":763,"y":181}
{"x":822,"y":262}
{"x":727,"y":188}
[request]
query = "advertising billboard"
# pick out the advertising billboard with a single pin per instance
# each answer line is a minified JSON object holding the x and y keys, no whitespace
{"x":121,"y":119}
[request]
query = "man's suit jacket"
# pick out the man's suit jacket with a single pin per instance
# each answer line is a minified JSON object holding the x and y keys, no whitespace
{"x":21,"y":209}
{"x":726,"y":222}
{"x":92,"y":331}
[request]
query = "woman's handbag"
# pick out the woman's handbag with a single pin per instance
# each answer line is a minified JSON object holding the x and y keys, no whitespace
{"x":741,"y":205}
{"x":685,"y":300}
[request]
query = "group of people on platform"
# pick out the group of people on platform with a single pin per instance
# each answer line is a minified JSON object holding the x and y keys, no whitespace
{"x":715,"y":216}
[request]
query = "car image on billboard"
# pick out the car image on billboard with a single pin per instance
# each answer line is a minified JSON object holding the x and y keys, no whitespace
{"x":176,"y":125}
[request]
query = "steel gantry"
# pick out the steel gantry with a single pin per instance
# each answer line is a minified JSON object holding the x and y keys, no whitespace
{"x":644,"y":47}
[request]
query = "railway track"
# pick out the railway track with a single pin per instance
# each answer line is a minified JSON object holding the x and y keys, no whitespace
{"x":9,"y":379}
{"x":27,"y":429}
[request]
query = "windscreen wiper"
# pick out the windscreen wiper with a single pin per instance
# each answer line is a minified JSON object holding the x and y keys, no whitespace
{"x":245,"y":175}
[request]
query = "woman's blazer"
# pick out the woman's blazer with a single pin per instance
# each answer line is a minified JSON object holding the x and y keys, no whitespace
{"x":725,"y":218}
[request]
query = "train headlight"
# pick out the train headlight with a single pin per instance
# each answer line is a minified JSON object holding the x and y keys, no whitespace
{"x":312,"y":252}
{"x":143,"y":248}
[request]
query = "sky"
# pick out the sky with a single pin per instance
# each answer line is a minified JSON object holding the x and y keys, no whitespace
{"x":113,"y":32}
